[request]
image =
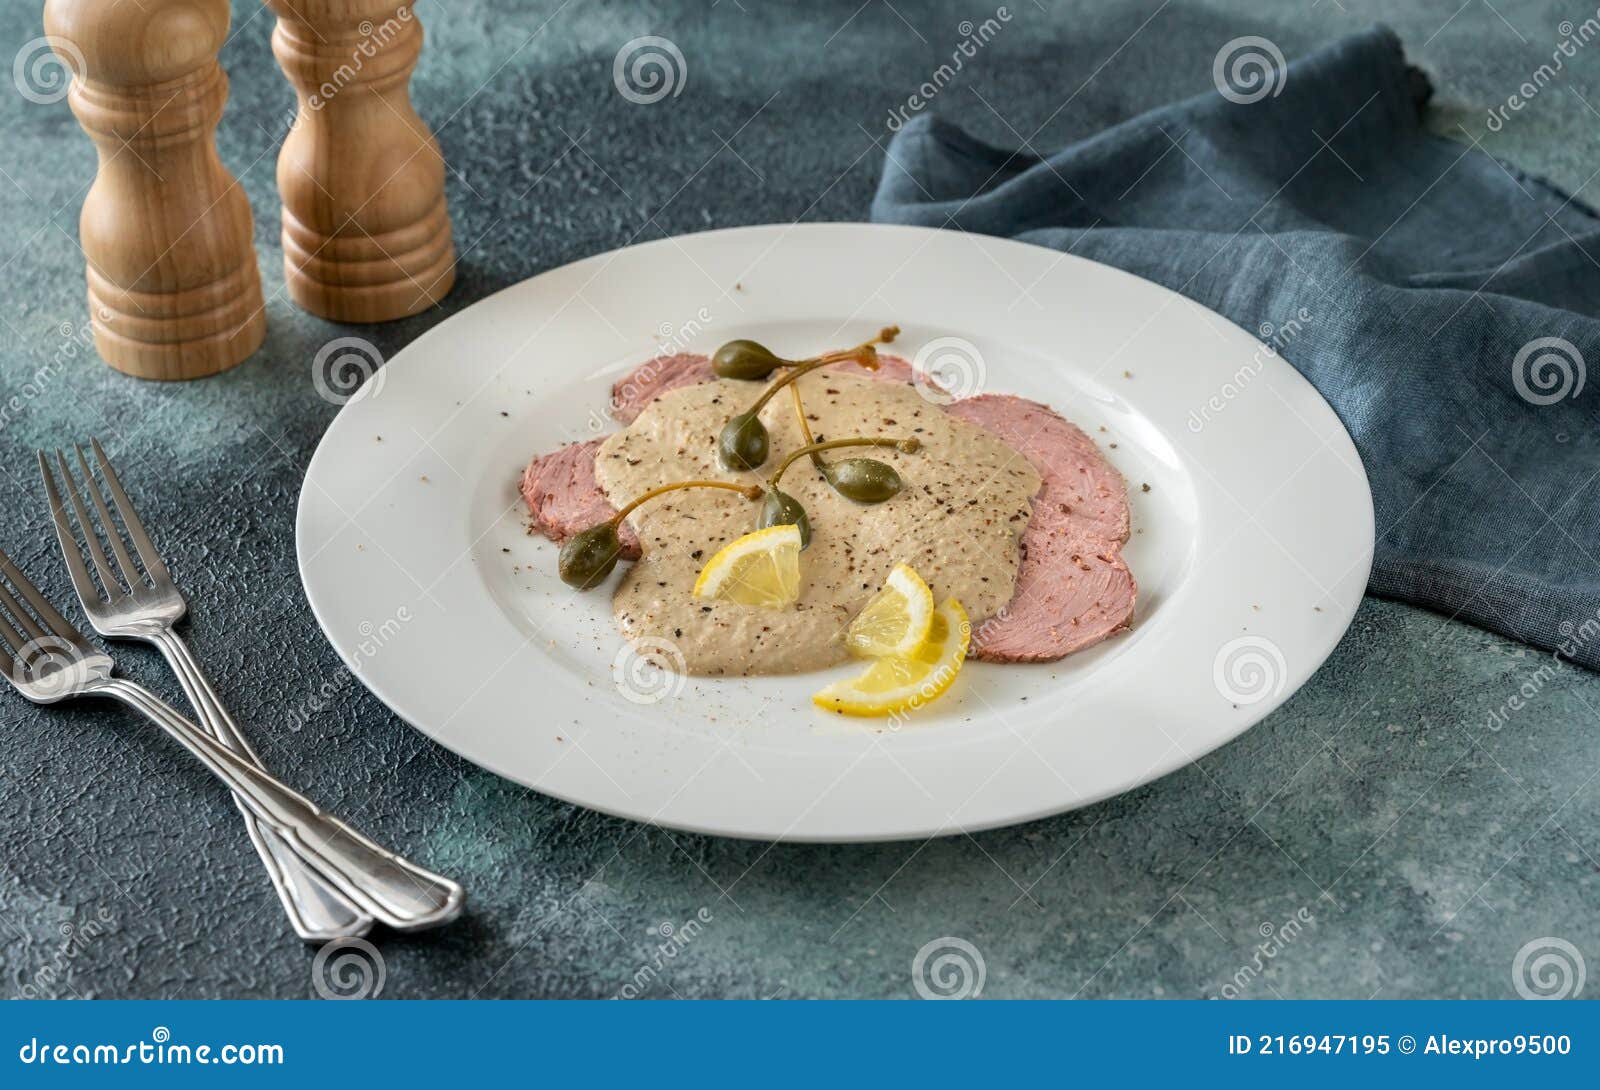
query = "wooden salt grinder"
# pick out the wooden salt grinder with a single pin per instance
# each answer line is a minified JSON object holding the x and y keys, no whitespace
{"x":174,"y":292}
{"x":366,"y":233}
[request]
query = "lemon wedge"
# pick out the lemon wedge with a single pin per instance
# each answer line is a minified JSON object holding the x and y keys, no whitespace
{"x":896,"y":620}
{"x":900,"y":684}
{"x":758,"y":569}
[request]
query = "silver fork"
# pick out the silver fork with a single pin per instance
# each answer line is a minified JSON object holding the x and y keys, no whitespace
{"x":48,"y":661}
{"x":136,"y":608}
{"x":360,"y":881}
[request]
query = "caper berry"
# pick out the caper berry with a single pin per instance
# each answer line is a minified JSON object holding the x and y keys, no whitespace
{"x":782,"y":509}
{"x":743,"y":443}
{"x":861,"y":479}
{"x":587,"y":557}
{"x":865,"y":480}
{"x":745,"y":360}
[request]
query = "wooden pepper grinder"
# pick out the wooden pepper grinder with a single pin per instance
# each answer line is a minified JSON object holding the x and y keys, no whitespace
{"x":366,"y":232}
{"x":174,"y":292}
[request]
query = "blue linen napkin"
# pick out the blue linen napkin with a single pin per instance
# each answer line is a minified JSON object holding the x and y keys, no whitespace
{"x":1452,"y":302}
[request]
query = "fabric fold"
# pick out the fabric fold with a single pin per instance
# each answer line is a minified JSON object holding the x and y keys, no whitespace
{"x":1453,"y":300}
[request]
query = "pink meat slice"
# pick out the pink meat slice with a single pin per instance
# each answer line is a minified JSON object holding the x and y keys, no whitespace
{"x":1073,"y":589}
{"x":1081,"y":489}
{"x":654,"y":377}
{"x":563,"y":496}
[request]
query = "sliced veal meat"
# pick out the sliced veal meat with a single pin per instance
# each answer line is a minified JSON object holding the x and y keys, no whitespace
{"x":563,"y":498}
{"x":631,"y":393}
{"x":654,"y":377}
{"x":1073,"y":589}
{"x":1080,"y":488}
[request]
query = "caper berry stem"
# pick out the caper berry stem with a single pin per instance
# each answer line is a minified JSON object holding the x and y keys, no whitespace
{"x":865,"y":353}
{"x":866,"y":357}
{"x":749,"y":491}
{"x":805,"y":425}
{"x":908,"y":445}
{"x":743,"y":442}
{"x":588,"y":556}
{"x":800,"y":416}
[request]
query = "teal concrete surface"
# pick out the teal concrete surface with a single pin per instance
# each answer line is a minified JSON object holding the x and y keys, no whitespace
{"x":1419,"y":814}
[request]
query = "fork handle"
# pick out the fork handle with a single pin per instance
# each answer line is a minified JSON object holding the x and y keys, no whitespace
{"x":395,"y":891}
{"x":317,"y":910}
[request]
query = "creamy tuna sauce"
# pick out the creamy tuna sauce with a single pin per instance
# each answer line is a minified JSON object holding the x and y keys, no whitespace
{"x":957,"y":521}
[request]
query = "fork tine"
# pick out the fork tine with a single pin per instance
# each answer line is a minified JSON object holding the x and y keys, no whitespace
{"x":130,"y":573}
{"x":9,"y":638}
{"x":31,"y":632}
{"x":91,"y":543}
{"x":82,"y":581}
{"x":141,"y":540}
{"x":60,"y":625}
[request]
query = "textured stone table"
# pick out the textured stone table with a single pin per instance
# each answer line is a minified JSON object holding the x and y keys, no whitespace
{"x":1424,"y":846}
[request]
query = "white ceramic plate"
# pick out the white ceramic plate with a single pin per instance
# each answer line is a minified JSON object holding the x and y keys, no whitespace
{"x":1251,"y":546}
